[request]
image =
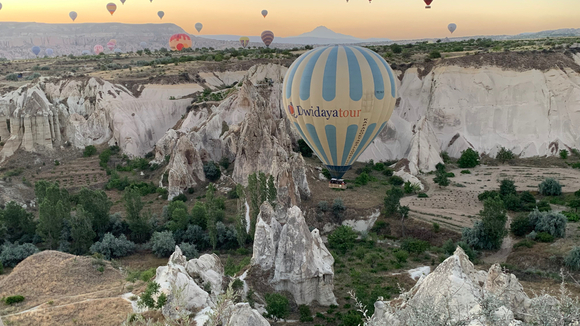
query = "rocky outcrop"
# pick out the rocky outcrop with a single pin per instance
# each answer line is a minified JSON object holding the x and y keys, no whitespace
{"x":295,"y":258}
{"x":242,"y":314}
{"x":456,"y":290}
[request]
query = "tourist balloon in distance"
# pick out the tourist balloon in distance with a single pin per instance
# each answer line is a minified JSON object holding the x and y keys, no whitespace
{"x":428,"y":4}
{"x":244,"y":40}
{"x":179,"y":42}
{"x":72,"y":15}
{"x":160,"y":14}
{"x":111,"y":7}
{"x":143,"y":44}
{"x":452,"y":27}
{"x":339,"y":98}
{"x":98,"y":49}
{"x":198,"y":27}
{"x":49,"y":52}
{"x":123,"y":1}
{"x":264,"y":13}
{"x":267,"y":38}
{"x":35,"y":50}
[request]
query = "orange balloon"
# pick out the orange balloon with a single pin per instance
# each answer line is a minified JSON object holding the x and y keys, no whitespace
{"x":111,"y":7}
{"x":179,"y":42}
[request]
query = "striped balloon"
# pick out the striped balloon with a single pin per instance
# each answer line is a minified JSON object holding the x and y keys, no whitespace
{"x":267,"y":38}
{"x":339,"y":98}
{"x":244,"y":40}
{"x":111,"y":7}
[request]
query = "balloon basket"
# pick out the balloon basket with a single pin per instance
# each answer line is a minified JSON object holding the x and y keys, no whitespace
{"x":427,"y":7}
{"x":337,"y":184}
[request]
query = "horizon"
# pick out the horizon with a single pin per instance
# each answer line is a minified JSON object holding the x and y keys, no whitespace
{"x":395,"y":19}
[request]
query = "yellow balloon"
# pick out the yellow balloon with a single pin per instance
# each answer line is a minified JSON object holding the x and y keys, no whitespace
{"x":339,"y":98}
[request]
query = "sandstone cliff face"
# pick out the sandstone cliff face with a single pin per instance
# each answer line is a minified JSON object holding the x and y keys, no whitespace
{"x":297,"y":260}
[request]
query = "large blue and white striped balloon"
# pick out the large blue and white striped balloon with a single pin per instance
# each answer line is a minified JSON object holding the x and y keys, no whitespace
{"x":339,"y":98}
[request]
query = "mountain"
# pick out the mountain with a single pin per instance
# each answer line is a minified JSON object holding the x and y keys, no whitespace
{"x":320,"y":35}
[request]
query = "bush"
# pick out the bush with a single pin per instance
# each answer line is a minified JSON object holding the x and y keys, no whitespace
{"x":304,"y":149}
{"x":572,"y":260}
{"x":338,"y":208}
{"x":326,"y":173}
{"x":512,"y":202}
{"x":12,"y":254}
{"x":194,"y":234}
{"x":563,"y":154}
{"x":111,"y":247}
{"x":146,"y":299}
{"x":323,"y":205}
{"x":521,"y":226}
{"x":396,"y":180}
{"x":379,"y":166}
{"x":362,"y":179}
{"x":488,"y":194}
{"x":342,"y":239}
{"x":12,"y":77}
{"x":89,"y":151}
{"x":1,"y":268}
{"x":445,"y":157}
{"x":434,"y":54}
{"x":465,"y":172}
{"x":401,"y":256}
{"x":162,"y":243}
{"x":507,"y":187}
{"x":550,"y":222}
{"x":469,"y":159}
{"x":212,"y":171}
{"x":571,"y":216}
{"x":422,"y":195}
{"x":489,"y":232}
{"x":544,"y":237}
{"x":180,"y":197}
{"x":504,"y":155}
{"x":277,"y":305}
{"x":305,"y":314}
{"x":388,"y":172}
{"x":415,"y":246}
{"x":528,"y":243}
{"x":550,"y":187}
{"x":225,"y":162}
{"x":410,"y":188}
{"x":13,"y":299}
{"x":189,"y":250}
{"x":526,"y":197}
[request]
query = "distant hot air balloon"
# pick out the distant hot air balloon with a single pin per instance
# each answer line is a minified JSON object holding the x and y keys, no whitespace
{"x":160,"y":14}
{"x":264,"y":13}
{"x":98,"y":49}
{"x":86,"y":52}
{"x":143,"y":44}
{"x":339,"y":98}
{"x":452,"y":27}
{"x":267,"y":38}
{"x":49,"y":52}
{"x":428,"y":3}
{"x":35,"y":50}
{"x":123,"y":1}
{"x":118,"y":50}
{"x":198,"y":27}
{"x":110,"y":45}
{"x":0,"y":6}
{"x":179,"y":42}
{"x":244,"y":40}
{"x":113,"y":41}
{"x":111,"y":7}
{"x":72,"y":15}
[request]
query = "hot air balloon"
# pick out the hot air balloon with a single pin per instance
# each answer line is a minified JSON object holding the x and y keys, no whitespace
{"x":267,"y":37}
{"x":98,"y":49}
{"x":264,"y":13}
{"x":198,"y":27}
{"x":111,"y":7}
{"x":118,"y":50}
{"x":35,"y":50}
{"x":179,"y":42}
{"x":0,"y":6}
{"x":143,"y":44}
{"x":86,"y":52}
{"x":110,"y":45}
{"x":339,"y":98}
{"x":428,"y":3}
{"x":244,"y":40}
{"x":160,"y":14}
{"x":123,"y":1}
{"x":452,"y":27}
{"x":49,"y":52}
{"x":72,"y":15}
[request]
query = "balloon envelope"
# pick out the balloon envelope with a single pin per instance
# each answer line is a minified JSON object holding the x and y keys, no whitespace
{"x":198,"y":27}
{"x":452,"y":27}
{"x":267,"y":37}
{"x":49,"y":52}
{"x":35,"y":50}
{"x":111,"y":7}
{"x":110,"y":45}
{"x":244,"y":40}
{"x":264,"y":13}
{"x":143,"y":44}
{"x":0,"y":6}
{"x":72,"y":15}
{"x":160,"y":14}
{"x":98,"y":49}
{"x":428,"y":3}
{"x":86,"y":52}
{"x":123,"y":1}
{"x":179,"y":42}
{"x":117,"y":51}
{"x":339,"y":98}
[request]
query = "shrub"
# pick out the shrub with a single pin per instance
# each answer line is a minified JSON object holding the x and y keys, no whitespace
{"x":326,"y":173}
{"x":13,"y":299}
{"x":563,"y":154}
{"x":323,"y":205}
{"x":465,"y":172}
{"x":1,"y":268}
{"x":571,"y":216}
{"x":12,"y":77}
{"x":527,"y":197}
{"x":305,"y":314}
{"x":445,"y":157}
{"x":12,"y":254}
{"x":342,"y":239}
{"x":277,"y":305}
{"x":422,"y":195}
{"x":225,"y":162}
{"x":550,"y":187}
{"x":212,"y":171}
{"x":379,"y":166}
{"x":415,"y":246}
{"x":162,"y":243}
{"x":490,"y":231}
{"x":521,"y":226}
{"x":89,"y":151}
{"x":338,"y":208}
{"x":189,"y":250}
{"x":512,"y":202}
{"x":362,"y":179}
{"x":550,"y":222}
{"x":194,"y":234}
{"x":146,"y":299}
{"x":380,"y":227}
{"x":469,"y":159}
{"x":528,"y":243}
{"x":544,"y":237}
{"x":488,"y":194}
{"x":507,"y":187}
{"x":180,"y":197}
{"x":434,"y":54}
{"x":410,"y":188}
{"x":388,"y":172}
{"x":504,"y":155}
{"x":401,"y":256}
{"x":304,"y":149}
{"x":111,"y":247}
{"x":396,"y":180}
{"x":436,"y":227}
{"x":572,"y":260}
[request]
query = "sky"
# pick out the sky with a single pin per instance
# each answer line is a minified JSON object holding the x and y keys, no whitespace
{"x":394,"y":19}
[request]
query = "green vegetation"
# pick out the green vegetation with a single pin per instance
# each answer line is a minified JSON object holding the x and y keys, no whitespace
{"x":504,"y":155}
{"x":489,"y":232}
{"x":563,"y":154}
{"x":550,"y":187}
{"x":277,"y":305}
{"x":13,"y":299}
{"x":89,"y":151}
{"x":304,"y":149}
{"x":146,"y":298}
{"x":342,"y":239}
{"x":469,"y":159}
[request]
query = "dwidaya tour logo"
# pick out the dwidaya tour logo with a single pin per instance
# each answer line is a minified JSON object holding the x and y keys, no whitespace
{"x":317,"y":112}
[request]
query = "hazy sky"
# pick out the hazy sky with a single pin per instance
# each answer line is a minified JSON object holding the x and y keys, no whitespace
{"x":395,"y":19}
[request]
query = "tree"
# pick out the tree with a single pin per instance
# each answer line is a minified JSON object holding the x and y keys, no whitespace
{"x":469,"y":159}
{"x":198,"y":215}
{"x":342,"y":239}
{"x":563,"y":154}
{"x":550,"y":187}
{"x":89,"y":151}
{"x":253,"y":198}
{"x":277,"y":305}
{"x":241,"y":225}
{"x":162,"y":243}
{"x":441,"y":175}
{"x":392,"y":199}
{"x":490,"y":231}
{"x":212,"y":171}
{"x":507,"y":187}
{"x":263,"y":187}
{"x":18,"y":223}
{"x":404,"y":212}
{"x":139,"y":226}
{"x":272,"y":191}
{"x":81,"y":232}
{"x":211,"y":215}
{"x":179,"y":220}
{"x":396,"y":48}
{"x":435,"y":54}
{"x":304,"y":149}
{"x":53,"y":210}
{"x":98,"y":206}
{"x":504,"y":155}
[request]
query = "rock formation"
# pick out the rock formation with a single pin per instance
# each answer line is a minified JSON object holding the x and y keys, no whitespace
{"x":458,"y":292}
{"x":295,"y":258}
